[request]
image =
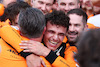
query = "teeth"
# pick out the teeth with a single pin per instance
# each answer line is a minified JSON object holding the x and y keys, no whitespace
{"x":53,"y":42}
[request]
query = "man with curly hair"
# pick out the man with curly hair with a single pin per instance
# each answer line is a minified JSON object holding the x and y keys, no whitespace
{"x":54,"y":50}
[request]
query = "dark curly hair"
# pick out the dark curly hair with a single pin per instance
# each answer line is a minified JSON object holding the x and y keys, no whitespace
{"x":58,"y":18}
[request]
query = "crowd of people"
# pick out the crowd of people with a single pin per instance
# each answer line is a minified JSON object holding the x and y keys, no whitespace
{"x":49,"y":33}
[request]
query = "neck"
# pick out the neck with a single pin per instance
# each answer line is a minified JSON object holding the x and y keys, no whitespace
{"x":89,"y":12}
{"x":72,"y":43}
{"x":39,"y":39}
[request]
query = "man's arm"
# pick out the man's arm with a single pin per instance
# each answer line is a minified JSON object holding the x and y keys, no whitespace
{"x":34,"y":61}
{"x":41,"y":50}
{"x":14,"y":39}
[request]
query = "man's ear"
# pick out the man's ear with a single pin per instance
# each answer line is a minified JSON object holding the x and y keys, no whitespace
{"x":86,"y":27}
{"x":44,"y":30}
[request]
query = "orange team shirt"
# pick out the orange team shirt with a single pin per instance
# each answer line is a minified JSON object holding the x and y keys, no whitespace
{"x":13,"y":58}
{"x":67,"y":61}
{"x":90,"y":16}
{"x":91,"y":26}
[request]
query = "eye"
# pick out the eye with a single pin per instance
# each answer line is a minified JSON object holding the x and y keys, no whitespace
{"x":40,"y":2}
{"x":48,"y":4}
{"x":77,"y":25}
{"x":62,"y":4}
{"x":69,"y":24}
{"x":50,"y":31}
{"x":61,"y":34}
{"x":71,"y":4}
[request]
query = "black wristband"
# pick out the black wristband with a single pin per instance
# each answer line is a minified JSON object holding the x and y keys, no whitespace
{"x":24,"y":54}
{"x":51,"y":57}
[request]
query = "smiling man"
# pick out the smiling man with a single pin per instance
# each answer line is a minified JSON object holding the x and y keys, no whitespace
{"x":55,"y":32}
{"x":55,"y":52}
{"x":67,"y":5}
{"x":44,"y":5}
{"x":78,"y":24}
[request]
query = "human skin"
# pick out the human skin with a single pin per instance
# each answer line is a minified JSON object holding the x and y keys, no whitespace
{"x":44,"y":5}
{"x":96,"y":2}
{"x":76,"y":27}
{"x":54,"y":36}
{"x":6,"y":2}
{"x":67,"y":5}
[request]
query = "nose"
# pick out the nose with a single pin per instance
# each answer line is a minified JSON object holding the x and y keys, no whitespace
{"x":43,"y":7}
{"x":71,"y":28}
{"x":67,"y":7}
{"x":55,"y":37}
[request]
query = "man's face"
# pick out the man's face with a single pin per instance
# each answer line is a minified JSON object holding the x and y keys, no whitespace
{"x":87,"y":5}
{"x":96,"y":9}
{"x":54,"y":36}
{"x":76,"y":27}
{"x":67,"y":5}
{"x":6,"y":2}
{"x":43,"y":5}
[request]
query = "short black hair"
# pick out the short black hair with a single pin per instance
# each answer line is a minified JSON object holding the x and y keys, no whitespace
{"x":58,"y":18}
{"x":31,"y":22}
{"x":80,"y":12}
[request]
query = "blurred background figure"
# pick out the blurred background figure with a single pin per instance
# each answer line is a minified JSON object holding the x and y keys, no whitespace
{"x":91,"y":10}
{"x":89,"y":49}
{"x":95,"y":20}
{"x":44,"y":5}
{"x":96,"y":10}
{"x":67,"y":5}
{"x":55,"y":7}
{"x":29,"y":2}
{"x":96,"y":2}
{"x":12,"y":10}
{"x":88,"y":7}
{"x":6,"y":2}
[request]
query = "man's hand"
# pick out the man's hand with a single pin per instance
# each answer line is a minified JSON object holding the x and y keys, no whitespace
{"x":34,"y":61}
{"x":35,"y":47}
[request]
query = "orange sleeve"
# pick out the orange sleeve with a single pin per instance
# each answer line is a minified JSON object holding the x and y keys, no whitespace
{"x":69,"y":56}
{"x":90,"y":16}
{"x":91,"y":26}
{"x":4,"y":23}
{"x":11,"y":36}
{"x":46,"y":62}
{"x":59,"y":62}
{"x":67,"y":61}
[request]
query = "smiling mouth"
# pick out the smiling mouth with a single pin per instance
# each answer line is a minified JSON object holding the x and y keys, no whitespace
{"x":72,"y":35}
{"x":52,"y":43}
